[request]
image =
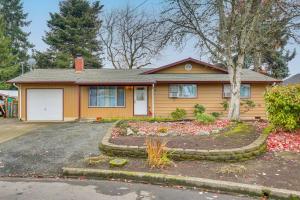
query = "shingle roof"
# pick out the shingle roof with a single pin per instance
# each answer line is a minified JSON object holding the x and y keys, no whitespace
{"x":122,"y":77}
{"x":292,"y":80}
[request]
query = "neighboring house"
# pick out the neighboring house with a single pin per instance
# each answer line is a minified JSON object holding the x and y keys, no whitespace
{"x":71,"y":94}
{"x":292,"y":80}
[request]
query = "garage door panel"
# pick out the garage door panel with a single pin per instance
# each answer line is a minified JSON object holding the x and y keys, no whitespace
{"x":44,"y":104}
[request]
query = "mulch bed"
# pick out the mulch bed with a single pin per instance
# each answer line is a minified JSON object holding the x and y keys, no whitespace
{"x":223,"y":140}
{"x":273,"y":169}
{"x":284,"y":141}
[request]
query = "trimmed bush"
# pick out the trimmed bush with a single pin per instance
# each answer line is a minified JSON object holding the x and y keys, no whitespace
{"x":215,"y":114}
{"x":283,"y":106}
{"x":205,"y":118}
{"x":178,"y":114}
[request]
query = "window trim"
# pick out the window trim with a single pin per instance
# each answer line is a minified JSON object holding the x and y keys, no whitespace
{"x":194,"y":97}
{"x":89,"y":106}
{"x":250,"y":92}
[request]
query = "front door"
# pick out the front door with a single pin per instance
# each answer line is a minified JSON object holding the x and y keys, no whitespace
{"x":140,"y":100}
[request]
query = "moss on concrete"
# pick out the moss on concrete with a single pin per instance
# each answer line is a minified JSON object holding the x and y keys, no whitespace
{"x":118,"y":162}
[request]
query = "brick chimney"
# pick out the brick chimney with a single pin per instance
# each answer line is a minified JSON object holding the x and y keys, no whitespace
{"x":79,"y":63}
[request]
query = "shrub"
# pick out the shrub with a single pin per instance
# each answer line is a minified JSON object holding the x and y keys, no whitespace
{"x":157,"y":155}
{"x":205,"y":118}
{"x":178,"y":114}
{"x":215,"y":114}
{"x":199,"y":109}
{"x":283,"y":106}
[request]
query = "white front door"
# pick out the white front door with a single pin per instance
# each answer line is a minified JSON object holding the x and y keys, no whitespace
{"x":44,"y":104}
{"x":140,"y":100}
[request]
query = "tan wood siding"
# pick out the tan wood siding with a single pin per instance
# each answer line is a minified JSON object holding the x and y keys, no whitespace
{"x":122,"y":112}
{"x":209,"y":95}
{"x":196,"y":69}
{"x":70,"y":103}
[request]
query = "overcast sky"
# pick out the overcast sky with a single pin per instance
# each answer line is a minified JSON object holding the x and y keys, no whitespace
{"x":38,"y":14}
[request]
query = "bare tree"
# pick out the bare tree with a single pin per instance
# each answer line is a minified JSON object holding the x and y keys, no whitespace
{"x":131,"y":38}
{"x":230,"y":30}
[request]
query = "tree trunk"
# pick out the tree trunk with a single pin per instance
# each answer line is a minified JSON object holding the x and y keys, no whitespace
{"x":235,"y":81}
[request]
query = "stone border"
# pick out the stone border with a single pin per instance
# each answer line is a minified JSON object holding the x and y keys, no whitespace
{"x":252,"y":150}
{"x":154,"y":178}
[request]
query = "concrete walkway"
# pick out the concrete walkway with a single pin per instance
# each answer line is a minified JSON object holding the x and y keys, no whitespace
{"x":11,"y":189}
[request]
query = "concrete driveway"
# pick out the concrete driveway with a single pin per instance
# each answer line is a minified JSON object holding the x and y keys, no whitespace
{"x":12,"y":128}
{"x":43,"y":150}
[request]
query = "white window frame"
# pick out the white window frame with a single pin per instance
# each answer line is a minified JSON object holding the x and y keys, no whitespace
{"x":182,"y":97}
{"x":225,"y":95}
{"x":116,"y":97}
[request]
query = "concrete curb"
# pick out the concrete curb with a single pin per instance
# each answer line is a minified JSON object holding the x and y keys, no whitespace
{"x":225,"y":186}
{"x":250,"y":151}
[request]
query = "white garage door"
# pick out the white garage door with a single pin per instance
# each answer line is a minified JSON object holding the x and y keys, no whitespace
{"x":44,"y":104}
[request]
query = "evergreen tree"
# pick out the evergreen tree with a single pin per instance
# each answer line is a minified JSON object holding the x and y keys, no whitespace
{"x":73,"y":31}
{"x":8,"y":68}
{"x":15,"y":20}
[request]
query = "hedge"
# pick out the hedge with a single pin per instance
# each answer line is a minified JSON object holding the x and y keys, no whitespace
{"x":283,"y":106}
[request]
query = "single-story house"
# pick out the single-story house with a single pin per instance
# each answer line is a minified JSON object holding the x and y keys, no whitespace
{"x":72,"y":94}
{"x":295,"y":79}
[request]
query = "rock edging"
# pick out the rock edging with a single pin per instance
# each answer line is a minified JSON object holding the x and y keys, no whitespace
{"x":154,"y":178}
{"x":252,"y":150}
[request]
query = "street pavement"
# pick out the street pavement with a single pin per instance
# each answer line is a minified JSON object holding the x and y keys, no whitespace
{"x":71,"y":189}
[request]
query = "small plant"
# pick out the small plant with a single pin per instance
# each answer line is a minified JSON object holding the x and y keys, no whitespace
{"x":199,"y":109}
{"x":248,"y":104}
{"x":225,"y":105}
{"x":216,"y":114}
{"x":294,"y":197}
{"x":178,"y":114}
{"x":163,"y":130}
{"x":157,"y":155}
{"x":205,"y":118}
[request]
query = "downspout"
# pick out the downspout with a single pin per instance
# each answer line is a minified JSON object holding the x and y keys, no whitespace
{"x":79,"y":103}
{"x":20,"y":100}
{"x":153,"y":110}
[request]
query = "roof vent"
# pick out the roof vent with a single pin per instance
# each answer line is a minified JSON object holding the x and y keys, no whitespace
{"x":188,"y":67}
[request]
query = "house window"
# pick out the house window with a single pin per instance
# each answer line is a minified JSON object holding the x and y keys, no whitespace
{"x":107,"y":96}
{"x":183,"y":90}
{"x":244,"y":91}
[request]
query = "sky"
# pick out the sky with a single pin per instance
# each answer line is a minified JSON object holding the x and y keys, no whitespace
{"x":38,"y":13}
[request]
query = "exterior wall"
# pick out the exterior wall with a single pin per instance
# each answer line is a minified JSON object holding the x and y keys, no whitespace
{"x":123,"y":112}
{"x":210,"y":96}
{"x":70,"y":103}
{"x":196,"y":69}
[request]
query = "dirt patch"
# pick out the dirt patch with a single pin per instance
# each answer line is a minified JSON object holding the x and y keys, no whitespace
{"x":241,"y":135}
{"x":279,"y":170}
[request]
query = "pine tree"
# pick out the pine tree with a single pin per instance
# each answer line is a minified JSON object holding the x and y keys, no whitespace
{"x":8,"y":68}
{"x":73,"y":30}
{"x":15,"y":20}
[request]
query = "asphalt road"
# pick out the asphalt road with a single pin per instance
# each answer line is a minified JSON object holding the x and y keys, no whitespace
{"x":61,"y":189}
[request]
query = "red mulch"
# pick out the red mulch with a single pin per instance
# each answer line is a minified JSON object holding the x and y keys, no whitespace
{"x":284,"y":141}
{"x":181,"y":128}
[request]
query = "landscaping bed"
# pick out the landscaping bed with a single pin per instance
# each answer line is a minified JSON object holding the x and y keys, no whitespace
{"x":188,"y":134}
{"x":273,"y":169}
